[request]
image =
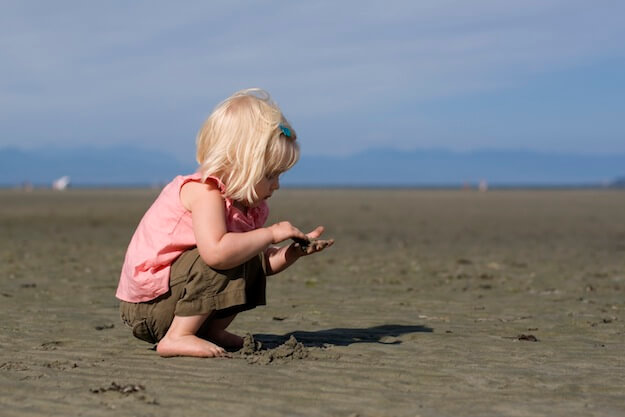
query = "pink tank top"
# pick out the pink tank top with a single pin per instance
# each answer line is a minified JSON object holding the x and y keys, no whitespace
{"x":165,"y":231}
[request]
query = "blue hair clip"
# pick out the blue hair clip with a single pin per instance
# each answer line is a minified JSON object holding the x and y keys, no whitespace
{"x":285,"y":130}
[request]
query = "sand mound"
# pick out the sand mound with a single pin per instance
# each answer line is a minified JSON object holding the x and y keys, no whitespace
{"x":254,"y":352}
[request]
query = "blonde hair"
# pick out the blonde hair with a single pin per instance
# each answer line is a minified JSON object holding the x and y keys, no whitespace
{"x":244,"y":139}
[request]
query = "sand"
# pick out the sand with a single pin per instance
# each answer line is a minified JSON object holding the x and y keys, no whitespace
{"x":430,"y":303}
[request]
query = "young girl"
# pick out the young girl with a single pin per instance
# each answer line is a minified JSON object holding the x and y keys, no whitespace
{"x":200,"y":254}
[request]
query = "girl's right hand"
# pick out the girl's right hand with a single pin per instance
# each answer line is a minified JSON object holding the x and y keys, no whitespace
{"x":285,"y":230}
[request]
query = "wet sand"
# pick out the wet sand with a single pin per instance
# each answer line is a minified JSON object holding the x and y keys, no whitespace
{"x":430,"y":303}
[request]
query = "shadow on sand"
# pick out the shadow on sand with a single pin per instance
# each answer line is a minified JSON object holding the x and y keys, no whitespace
{"x":343,"y":336}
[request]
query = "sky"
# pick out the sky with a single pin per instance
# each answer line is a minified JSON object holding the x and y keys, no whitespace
{"x":543,"y":75}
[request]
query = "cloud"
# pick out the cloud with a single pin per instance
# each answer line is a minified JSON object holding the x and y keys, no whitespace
{"x":135,"y":61}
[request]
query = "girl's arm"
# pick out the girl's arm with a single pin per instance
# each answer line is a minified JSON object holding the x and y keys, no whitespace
{"x":217,"y":247}
{"x":278,"y":259}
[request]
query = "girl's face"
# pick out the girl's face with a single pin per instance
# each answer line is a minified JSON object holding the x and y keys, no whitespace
{"x":265,"y":188}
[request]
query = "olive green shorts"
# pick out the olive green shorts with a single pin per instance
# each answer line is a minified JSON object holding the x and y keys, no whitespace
{"x":196,"y":289}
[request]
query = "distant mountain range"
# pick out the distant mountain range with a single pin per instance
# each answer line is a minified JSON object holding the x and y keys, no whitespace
{"x":123,"y":166}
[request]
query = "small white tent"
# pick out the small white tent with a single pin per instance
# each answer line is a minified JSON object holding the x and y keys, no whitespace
{"x":61,"y":183}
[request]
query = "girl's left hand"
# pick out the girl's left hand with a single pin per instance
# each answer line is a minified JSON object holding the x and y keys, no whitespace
{"x":314,"y":244}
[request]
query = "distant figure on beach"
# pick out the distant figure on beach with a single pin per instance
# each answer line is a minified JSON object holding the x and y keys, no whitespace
{"x":201,"y":252}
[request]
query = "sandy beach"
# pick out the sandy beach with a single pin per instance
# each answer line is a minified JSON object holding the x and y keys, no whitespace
{"x":431,"y":303}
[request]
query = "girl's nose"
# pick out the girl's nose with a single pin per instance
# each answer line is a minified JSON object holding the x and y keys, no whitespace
{"x":276,"y":184}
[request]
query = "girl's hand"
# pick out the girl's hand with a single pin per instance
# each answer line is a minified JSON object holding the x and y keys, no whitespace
{"x":278,"y":259}
{"x":313,"y":244}
{"x":285,"y":230}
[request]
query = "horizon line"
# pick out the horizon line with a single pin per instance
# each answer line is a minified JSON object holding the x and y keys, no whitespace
{"x":477,"y":186}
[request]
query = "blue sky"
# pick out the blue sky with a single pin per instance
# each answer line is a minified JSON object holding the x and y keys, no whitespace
{"x":544,"y":75}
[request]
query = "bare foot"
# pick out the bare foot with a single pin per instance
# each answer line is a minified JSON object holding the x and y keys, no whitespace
{"x":224,"y":338}
{"x":188,"y":345}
